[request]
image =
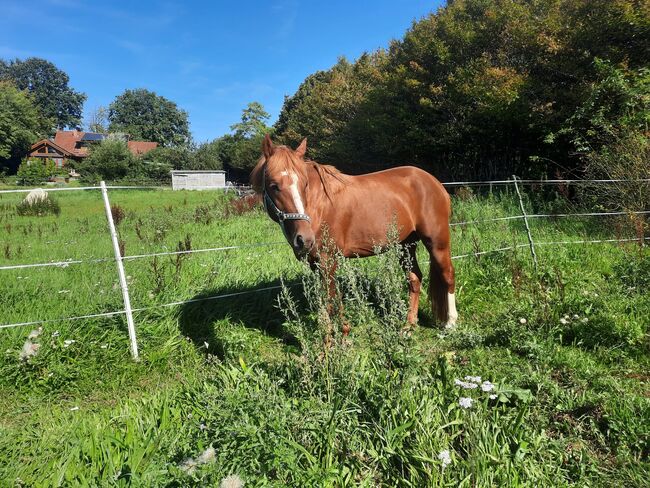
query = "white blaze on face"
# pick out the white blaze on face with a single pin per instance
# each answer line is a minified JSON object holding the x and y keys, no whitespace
{"x":293,"y":189}
{"x":452,"y":314}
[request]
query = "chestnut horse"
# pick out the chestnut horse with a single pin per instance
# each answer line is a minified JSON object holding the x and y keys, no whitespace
{"x":305,"y":197}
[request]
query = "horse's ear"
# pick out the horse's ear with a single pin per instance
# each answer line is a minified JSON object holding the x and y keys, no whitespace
{"x":267,"y":147}
{"x":301,"y":150}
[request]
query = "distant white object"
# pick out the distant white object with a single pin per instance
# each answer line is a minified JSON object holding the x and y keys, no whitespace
{"x":35,"y":196}
{"x":198,"y":180}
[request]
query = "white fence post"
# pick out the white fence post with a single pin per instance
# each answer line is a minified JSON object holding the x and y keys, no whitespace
{"x":120,"y":270}
{"x":523,"y":213}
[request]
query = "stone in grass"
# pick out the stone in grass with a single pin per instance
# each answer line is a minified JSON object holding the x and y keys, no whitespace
{"x":29,"y":350}
{"x":35,"y":196}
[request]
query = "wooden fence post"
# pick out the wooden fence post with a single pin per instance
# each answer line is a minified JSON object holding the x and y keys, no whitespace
{"x":120,"y":271}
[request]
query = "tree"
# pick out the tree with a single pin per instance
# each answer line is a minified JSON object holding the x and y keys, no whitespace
{"x":49,"y":90}
{"x":252,"y":123}
{"x":20,"y":125}
{"x":240,"y":151}
{"x":110,"y":160}
{"x":144,"y":115}
{"x":98,"y":120}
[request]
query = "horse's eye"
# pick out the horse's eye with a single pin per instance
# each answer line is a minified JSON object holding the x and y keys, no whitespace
{"x":274,"y":187}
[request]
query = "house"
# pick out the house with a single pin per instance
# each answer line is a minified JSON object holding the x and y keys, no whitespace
{"x":75,"y":145}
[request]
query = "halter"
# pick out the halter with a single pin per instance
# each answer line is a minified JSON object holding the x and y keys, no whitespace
{"x":271,"y":207}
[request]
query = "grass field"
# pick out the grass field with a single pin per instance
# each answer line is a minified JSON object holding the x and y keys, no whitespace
{"x":243,"y":386}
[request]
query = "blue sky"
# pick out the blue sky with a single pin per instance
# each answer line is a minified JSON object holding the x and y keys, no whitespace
{"x":211,"y":58}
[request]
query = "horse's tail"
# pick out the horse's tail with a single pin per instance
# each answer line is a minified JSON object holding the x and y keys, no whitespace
{"x":438,"y":292}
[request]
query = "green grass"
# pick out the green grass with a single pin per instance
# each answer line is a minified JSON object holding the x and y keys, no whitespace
{"x":279,"y":408}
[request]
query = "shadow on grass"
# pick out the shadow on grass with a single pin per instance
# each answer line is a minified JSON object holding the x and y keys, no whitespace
{"x":254,"y":307}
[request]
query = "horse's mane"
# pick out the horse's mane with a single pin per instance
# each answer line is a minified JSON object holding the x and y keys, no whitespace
{"x":332,"y":180}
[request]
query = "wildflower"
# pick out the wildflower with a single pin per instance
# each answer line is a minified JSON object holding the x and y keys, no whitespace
{"x":563,"y":321}
{"x":465,"y":402}
{"x":29,"y":350}
{"x":56,"y":333}
{"x":584,"y":320}
{"x":35,"y":333}
{"x":68,"y":342}
{"x":206,"y":344}
{"x":208,"y":456}
{"x":493,"y":397}
{"x":445,"y":458}
{"x":104,"y":346}
{"x":522,"y":321}
{"x":188,"y":466}
{"x":475,"y":379}
{"x":576,"y":316}
{"x":64,"y":291}
{"x":74,"y":409}
{"x":232,"y":481}
{"x":487,"y":386}
{"x":465,"y":384}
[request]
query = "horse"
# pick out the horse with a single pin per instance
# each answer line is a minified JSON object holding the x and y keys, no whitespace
{"x":311,"y":201}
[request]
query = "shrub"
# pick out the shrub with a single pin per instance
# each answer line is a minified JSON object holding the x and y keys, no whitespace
{"x":33,"y":171}
{"x":627,"y":158}
{"x":110,"y":160}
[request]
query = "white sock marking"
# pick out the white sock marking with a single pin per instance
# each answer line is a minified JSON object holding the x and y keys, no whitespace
{"x":452,"y":313}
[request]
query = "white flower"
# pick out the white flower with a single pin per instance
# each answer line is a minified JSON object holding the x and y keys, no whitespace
{"x":104,"y":346}
{"x":487,"y":386}
{"x":206,"y":344}
{"x":475,"y":379}
{"x":465,"y":384}
{"x":445,"y":458}
{"x":68,"y":342}
{"x":55,"y":333}
{"x":576,"y":316}
{"x":208,"y":456}
{"x":584,"y":320}
{"x":522,"y":321}
{"x":563,"y":321}
{"x":74,"y":409}
{"x":64,"y":291}
{"x":29,"y":350}
{"x":465,"y":402}
{"x":232,"y":481}
{"x":493,"y":397}
{"x":35,"y":333}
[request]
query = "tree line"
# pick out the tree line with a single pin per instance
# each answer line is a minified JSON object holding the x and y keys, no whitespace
{"x":484,"y":89}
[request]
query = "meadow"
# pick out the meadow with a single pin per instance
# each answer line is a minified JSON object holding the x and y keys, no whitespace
{"x":243,"y":387}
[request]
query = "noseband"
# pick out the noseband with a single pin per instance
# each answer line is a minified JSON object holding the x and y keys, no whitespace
{"x":271,"y":207}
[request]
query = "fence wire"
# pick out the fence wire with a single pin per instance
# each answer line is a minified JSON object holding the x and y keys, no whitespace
{"x":68,"y":262}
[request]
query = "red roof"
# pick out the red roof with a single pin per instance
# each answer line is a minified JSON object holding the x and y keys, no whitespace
{"x":70,"y":141}
{"x":141,"y":147}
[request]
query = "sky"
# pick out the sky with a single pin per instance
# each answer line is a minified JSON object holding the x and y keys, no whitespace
{"x":210,"y":57}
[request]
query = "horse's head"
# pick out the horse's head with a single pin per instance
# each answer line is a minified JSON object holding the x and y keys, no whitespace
{"x":281,"y":177}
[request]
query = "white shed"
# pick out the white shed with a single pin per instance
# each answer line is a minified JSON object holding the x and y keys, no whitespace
{"x":198,"y":180}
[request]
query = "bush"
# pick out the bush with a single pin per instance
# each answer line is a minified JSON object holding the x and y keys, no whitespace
{"x":179,"y":157}
{"x":627,"y":158}
{"x":110,"y":160}
{"x":33,"y":171}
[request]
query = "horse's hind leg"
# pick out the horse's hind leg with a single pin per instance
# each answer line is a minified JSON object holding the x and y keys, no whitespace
{"x":410,"y":264}
{"x":442,"y":283}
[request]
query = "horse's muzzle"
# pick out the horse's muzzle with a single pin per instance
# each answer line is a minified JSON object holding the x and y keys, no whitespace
{"x":302,"y":245}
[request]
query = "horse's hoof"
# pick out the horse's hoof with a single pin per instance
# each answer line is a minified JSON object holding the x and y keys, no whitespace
{"x":450,"y":325}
